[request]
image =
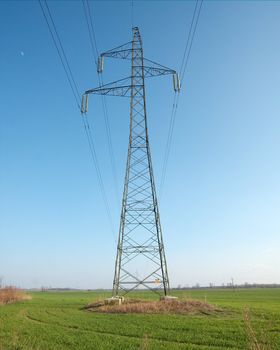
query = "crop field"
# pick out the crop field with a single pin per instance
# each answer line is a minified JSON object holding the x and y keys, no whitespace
{"x":249,"y":319}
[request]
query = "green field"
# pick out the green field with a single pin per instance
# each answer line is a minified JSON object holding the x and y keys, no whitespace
{"x":55,"y":320}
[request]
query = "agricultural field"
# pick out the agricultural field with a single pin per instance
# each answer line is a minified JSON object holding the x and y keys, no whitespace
{"x":248,"y":319}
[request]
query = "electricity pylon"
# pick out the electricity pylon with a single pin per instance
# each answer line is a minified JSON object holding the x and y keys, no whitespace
{"x":140,"y":260}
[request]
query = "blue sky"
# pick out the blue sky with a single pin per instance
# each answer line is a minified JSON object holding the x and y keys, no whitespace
{"x":221,"y":200}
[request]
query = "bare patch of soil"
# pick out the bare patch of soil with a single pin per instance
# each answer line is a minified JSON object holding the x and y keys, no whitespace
{"x":10,"y":295}
{"x":155,"y":307}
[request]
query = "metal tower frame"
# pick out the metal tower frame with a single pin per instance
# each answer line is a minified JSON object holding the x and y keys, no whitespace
{"x":140,"y":235}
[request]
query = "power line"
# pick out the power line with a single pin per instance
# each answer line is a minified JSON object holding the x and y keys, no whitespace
{"x":92,"y":36}
{"x":184,"y":64}
{"x":188,"y":39}
{"x":190,"y":46}
{"x":99,"y":175}
{"x":92,"y":27}
{"x":132,"y":13}
{"x":62,"y":49}
{"x":70,"y":78}
{"x":61,"y":55}
{"x":168,"y":142}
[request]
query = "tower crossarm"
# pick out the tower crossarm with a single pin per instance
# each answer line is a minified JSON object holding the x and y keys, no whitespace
{"x":120,"y":87}
{"x":123,"y":51}
{"x":154,"y":65}
{"x":150,"y":68}
{"x":156,"y":71}
{"x":123,"y":87}
{"x":123,"y":54}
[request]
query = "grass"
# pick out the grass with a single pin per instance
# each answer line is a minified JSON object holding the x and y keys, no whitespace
{"x":57,"y":320}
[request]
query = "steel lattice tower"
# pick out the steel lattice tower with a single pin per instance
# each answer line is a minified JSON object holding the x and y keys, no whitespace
{"x":140,"y":243}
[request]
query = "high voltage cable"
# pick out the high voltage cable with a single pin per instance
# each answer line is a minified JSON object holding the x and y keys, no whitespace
{"x":99,"y":175}
{"x":188,"y":40}
{"x":184,"y":64}
{"x":104,"y":104}
{"x":190,"y":46}
{"x":92,"y":36}
{"x":62,"y":49}
{"x":70,"y":78}
{"x":61,"y":54}
{"x":90,"y":31}
{"x":132,"y":13}
{"x":168,"y":142}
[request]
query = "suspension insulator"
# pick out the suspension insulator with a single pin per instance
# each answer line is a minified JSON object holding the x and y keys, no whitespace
{"x":84,"y":104}
{"x":100,"y":64}
{"x":179,"y":82}
{"x":176,"y":82}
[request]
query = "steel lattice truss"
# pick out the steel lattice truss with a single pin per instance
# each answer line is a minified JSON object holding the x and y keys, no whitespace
{"x":140,"y":260}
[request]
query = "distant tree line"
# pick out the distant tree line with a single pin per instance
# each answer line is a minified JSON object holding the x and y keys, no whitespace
{"x":229,"y":285}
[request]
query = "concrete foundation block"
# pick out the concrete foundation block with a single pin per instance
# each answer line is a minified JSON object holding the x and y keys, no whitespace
{"x":168,"y":298}
{"x":114,"y":300}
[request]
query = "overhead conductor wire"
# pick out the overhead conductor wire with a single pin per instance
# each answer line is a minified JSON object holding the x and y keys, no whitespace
{"x":132,"y":13}
{"x":70,"y":78}
{"x":61,"y":54}
{"x":92,"y":36}
{"x":182,"y":71}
